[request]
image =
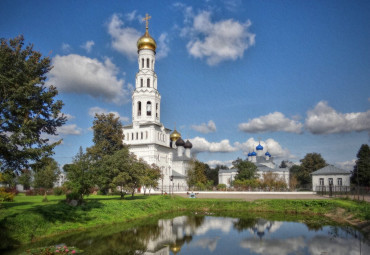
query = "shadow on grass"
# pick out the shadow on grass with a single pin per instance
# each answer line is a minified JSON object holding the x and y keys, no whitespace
{"x":14,"y":204}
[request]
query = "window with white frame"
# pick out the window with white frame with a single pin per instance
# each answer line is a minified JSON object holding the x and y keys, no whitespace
{"x":339,"y":180}
{"x":321,"y":181}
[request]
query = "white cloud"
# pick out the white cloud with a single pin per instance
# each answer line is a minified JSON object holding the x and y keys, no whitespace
{"x":163,"y":48}
{"x":88,"y":45}
{"x":200,"y":144}
{"x":269,"y":145}
{"x":205,"y":128}
{"x":323,"y":119}
{"x":219,"y":41}
{"x":83,"y":75}
{"x":131,"y":16}
{"x":66,"y":47}
{"x":338,"y":245}
{"x":123,"y":38}
{"x":294,"y":245}
{"x":71,"y":129}
{"x":347,"y":165}
{"x":98,"y":110}
{"x":214,"y":163}
{"x":272,"y":122}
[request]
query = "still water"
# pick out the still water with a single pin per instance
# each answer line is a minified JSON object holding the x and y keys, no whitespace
{"x":207,"y":234}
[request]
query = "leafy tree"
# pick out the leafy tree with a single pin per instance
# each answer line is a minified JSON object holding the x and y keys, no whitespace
{"x":310,"y":163}
{"x":79,"y":174}
{"x":28,"y":110}
{"x":108,"y":136}
{"x":246,"y":169}
{"x":361,"y":171}
{"x":9,"y":178}
{"x":121,"y":169}
{"x":25,"y":178}
{"x":212,"y":173}
{"x":196,"y":173}
{"x":283,"y":164}
{"x":151,"y":177}
{"x":46,"y":173}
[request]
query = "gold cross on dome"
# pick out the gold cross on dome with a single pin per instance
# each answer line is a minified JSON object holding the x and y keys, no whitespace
{"x":147,"y":18}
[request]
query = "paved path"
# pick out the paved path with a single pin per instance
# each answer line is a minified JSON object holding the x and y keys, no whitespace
{"x":251,"y":196}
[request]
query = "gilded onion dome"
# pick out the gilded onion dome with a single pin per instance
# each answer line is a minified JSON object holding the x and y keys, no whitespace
{"x":175,"y":135}
{"x":146,"y":41}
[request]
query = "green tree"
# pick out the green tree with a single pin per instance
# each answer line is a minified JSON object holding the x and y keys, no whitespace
{"x":361,"y":171}
{"x":196,"y":173}
{"x":9,"y":178}
{"x":108,"y":136}
{"x":46,"y":173}
{"x":25,"y":178}
{"x":246,"y":169}
{"x":310,"y":163}
{"x":79,"y":174}
{"x":28,"y":110}
{"x":151,"y":177}
{"x":212,"y":173}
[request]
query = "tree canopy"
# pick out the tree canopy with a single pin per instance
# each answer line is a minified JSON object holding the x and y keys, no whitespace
{"x":361,"y":171}
{"x":28,"y":110}
{"x":196,"y":173}
{"x":310,"y":163}
{"x":46,"y":173}
{"x":108,"y":135}
{"x":246,"y":169}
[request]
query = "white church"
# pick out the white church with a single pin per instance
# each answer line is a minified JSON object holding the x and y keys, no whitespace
{"x":147,"y":137}
{"x":265,"y":164}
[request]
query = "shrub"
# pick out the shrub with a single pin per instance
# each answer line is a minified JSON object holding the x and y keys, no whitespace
{"x":30,"y":192}
{"x":58,"y":191}
{"x":58,"y":249}
{"x":221,"y":187}
{"x":73,"y":196}
{"x":12,"y":190}
{"x":6,"y":196}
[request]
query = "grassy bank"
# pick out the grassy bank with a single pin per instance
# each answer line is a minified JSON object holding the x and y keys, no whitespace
{"x":28,"y":218}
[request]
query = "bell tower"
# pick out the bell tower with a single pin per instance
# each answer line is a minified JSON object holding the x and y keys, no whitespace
{"x":146,"y":100}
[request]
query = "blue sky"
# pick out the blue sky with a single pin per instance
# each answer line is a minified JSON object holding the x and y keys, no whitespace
{"x":293,"y":73}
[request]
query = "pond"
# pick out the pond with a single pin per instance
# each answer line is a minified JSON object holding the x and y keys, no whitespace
{"x":215,"y":234}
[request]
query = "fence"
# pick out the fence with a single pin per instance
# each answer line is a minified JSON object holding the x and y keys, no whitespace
{"x":358,"y":193}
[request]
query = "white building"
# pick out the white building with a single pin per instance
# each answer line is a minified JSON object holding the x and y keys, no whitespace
{"x":265,"y":164}
{"x":147,"y":137}
{"x":331,"y":175}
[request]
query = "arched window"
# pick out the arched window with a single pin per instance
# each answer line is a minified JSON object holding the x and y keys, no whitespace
{"x":147,"y":63}
{"x":146,"y":134}
{"x":139,"y":108}
{"x":137,"y":135}
{"x":132,"y":136}
{"x":148,"y":83}
{"x":142,"y":63}
{"x":141,"y":82}
{"x":148,"y":108}
{"x":156,"y":110}
{"x":141,"y":136}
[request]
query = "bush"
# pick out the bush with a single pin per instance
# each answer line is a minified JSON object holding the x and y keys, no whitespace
{"x":6,"y":196}
{"x":11,"y":190}
{"x":73,"y":196}
{"x":59,"y":249}
{"x":221,"y":187}
{"x":58,"y":191}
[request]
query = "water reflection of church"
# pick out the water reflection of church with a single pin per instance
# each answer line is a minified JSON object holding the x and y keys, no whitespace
{"x":173,"y":235}
{"x":176,"y":232}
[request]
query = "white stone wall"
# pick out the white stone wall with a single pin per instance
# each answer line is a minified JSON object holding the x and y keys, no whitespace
{"x":227,"y":178}
{"x":316,"y":180}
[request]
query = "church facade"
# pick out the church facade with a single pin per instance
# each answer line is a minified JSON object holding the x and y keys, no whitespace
{"x":146,"y":136}
{"x":265,"y":164}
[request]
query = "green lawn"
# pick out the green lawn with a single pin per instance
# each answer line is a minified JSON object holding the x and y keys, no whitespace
{"x":28,"y":218}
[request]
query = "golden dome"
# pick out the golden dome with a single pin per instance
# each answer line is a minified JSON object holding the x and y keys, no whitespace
{"x":175,"y":135}
{"x":146,"y":42}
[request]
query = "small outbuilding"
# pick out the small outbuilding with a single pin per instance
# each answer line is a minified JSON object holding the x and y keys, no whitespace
{"x":338,"y":179}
